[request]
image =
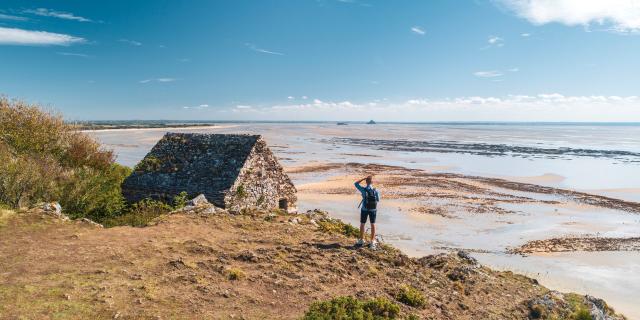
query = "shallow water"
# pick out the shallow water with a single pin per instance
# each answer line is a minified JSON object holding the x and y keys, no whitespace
{"x":603,"y":274}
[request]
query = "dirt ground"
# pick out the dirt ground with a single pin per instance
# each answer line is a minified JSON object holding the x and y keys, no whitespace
{"x":221,"y":266}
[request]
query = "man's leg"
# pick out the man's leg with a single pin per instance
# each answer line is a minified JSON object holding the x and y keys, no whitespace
{"x":372,"y":218}
{"x":363,"y":221}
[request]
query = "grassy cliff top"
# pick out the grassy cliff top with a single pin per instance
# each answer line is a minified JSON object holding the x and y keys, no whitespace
{"x":250,"y":266}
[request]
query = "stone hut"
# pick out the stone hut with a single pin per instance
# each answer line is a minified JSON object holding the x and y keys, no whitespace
{"x":234,"y":171}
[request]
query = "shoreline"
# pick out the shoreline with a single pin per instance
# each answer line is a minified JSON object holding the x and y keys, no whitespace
{"x":160,"y":128}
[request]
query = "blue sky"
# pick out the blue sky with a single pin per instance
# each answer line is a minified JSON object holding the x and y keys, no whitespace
{"x":502,"y":60}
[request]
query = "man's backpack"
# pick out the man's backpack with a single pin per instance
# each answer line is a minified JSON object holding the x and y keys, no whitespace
{"x":370,"y":200}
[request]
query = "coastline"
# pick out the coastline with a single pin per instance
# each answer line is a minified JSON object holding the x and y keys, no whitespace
{"x":207,"y":127}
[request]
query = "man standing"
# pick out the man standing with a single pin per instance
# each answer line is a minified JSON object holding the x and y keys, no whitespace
{"x":368,"y":209}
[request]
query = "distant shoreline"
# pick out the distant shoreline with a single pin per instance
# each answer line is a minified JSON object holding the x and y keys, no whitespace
{"x":142,"y":124}
{"x":209,"y":126}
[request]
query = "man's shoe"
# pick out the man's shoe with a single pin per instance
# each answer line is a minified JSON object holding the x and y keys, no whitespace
{"x":359,"y":243}
{"x":373,"y":245}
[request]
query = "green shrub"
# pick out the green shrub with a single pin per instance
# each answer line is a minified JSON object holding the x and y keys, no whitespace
{"x":180,"y":200}
{"x":235,"y":274}
{"x":95,"y":194}
{"x":241,"y":192}
{"x":149,"y":163}
{"x":337,"y":226}
{"x":44,"y":159}
{"x":139,"y":214}
{"x":411,"y":297}
{"x":347,"y":308}
{"x":582,"y":314}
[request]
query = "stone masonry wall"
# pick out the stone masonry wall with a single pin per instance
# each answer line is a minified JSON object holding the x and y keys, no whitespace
{"x":232,"y":171}
{"x":262,"y":183}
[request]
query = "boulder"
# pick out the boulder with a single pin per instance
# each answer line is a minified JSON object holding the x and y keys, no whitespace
{"x":91,"y":222}
{"x":198,"y":201}
{"x":54,"y":209}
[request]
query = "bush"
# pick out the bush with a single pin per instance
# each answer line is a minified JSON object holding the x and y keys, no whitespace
{"x":180,"y":200}
{"x":347,"y":308}
{"x":44,"y":159}
{"x":582,"y":314}
{"x":139,"y":214}
{"x":411,"y":297}
{"x":235,"y":274}
{"x":95,"y":194}
{"x":337,"y":226}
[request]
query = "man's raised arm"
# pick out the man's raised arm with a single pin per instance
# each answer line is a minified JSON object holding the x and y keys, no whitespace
{"x":358,"y":186}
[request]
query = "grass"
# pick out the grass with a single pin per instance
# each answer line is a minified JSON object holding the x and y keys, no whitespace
{"x":347,"y":308}
{"x":241,"y":192}
{"x":411,"y":297}
{"x":337,"y":226}
{"x":582,"y":314}
{"x":139,"y":215}
{"x":142,"y":213}
{"x":35,"y":303}
{"x":149,"y":163}
{"x":5,"y":216}
{"x":235,"y":274}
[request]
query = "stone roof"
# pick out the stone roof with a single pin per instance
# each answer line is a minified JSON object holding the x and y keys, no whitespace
{"x":190,"y":162}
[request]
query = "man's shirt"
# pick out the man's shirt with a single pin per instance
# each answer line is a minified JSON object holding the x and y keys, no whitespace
{"x":363,"y":192}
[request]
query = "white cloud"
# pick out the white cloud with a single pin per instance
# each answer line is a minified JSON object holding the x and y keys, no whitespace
{"x":541,"y":107}
{"x":525,"y":35}
{"x":418,"y":30}
{"x":495,"y":41}
{"x":131,"y":42}
{"x":488,"y":74}
{"x":617,"y":15}
{"x":291,"y":98}
{"x":158,"y":80}
{"x":199,"y":107}
{"x":13,"y":36}
{"x":57,"y":14}
{"x":12,"y":18}
{"x":72,"y":54}
{"x":256,"y":49}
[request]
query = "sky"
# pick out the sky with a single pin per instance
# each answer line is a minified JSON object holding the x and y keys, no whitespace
{"x":325,"y":60}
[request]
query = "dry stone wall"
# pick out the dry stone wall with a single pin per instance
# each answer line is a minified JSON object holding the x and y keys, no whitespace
{"x":262,"y":183}
{"x":232,"y":171}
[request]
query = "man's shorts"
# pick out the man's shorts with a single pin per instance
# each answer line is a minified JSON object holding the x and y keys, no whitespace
{"x":371,"y":214}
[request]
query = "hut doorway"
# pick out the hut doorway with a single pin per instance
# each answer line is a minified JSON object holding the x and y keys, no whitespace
{"x":283,"y":204}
